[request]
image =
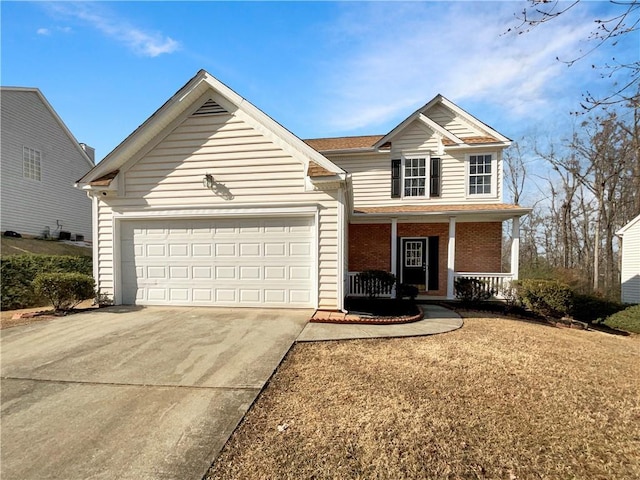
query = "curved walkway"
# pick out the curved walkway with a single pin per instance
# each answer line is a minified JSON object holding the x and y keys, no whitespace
{"x":436,"y":320}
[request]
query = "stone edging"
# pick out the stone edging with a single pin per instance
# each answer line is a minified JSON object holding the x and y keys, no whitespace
{"x":357,"y":320}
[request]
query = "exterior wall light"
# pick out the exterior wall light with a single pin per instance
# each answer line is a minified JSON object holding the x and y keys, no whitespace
{"x":208,"y":181}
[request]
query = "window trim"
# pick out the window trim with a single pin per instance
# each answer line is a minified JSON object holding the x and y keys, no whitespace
{"x":427,"y":177}
{"x":494,"y":176}
{"x":29,"y":165}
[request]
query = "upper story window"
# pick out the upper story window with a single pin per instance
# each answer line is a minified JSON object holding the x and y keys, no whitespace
{"x":31,"y":164}
{"x":415,"y":177}
{"x":481,"y":174}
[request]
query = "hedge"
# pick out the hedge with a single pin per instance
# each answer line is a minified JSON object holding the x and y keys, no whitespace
{"x":19,"y":271}
{"x":627,"y":319}
{"x":548,"y":298}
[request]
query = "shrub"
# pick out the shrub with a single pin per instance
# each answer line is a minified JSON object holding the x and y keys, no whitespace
{"x":627,"y":319}
{"x":472,"y":290}
{"x":510,"y":295}
{"x":64,"y":290}
{"x":590,"y":308}
{"x":406,"y":290}
{"x":548,"y":298}
{"x":19,"y":271}
{"x":376,"y":282}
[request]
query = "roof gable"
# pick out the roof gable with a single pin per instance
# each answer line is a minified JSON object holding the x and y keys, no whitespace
{"x":56,"y":117}
{"x":628,"y":226}
{"x":203,"y":95}
{"x":483,"y":133}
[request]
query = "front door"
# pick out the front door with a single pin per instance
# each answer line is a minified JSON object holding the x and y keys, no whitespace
{"x":414,"y":261}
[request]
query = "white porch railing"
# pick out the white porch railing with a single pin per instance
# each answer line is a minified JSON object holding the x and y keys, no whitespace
{"x":355,"y":288}
{"x":494,"y":282}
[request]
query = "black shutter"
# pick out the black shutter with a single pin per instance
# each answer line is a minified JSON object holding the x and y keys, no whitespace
{"x":395,"y":178}
{"x":434,"y":255}
{"x":434,"y":191}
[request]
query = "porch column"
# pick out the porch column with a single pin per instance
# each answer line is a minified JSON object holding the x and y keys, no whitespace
{"x":394,"y":246}
{"x":515,"y":247}
{"x":451,"y":257}
{"x":394,"y":253}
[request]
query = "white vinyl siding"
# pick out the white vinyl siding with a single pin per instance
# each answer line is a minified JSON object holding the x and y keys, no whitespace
{"x":31,"y":132}
{"x":250,"y":171}
{"x":630,"y":271}
{"x":451,"y":122}
{"x":31,"y":164}
{"x":371,"y":172}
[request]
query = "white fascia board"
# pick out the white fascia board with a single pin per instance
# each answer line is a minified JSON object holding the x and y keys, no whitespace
{"x":396,"y":130}
{"x":170,"y":110}
{"x":473,"y":120}
{"x":438,"y":129}
{"x":624,"y":229}
{"x":289,"y":142}
{"x":179,"y":103}
{"x":477,"y":146}
{"x":232,"y":211}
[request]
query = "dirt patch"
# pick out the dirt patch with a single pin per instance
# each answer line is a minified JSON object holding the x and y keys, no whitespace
{"x":497,"y":399}
{"x":26,"y":316}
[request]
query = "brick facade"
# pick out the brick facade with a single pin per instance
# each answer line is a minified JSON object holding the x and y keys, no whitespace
{"x":478,"y":247}
{"x":370,"y":247}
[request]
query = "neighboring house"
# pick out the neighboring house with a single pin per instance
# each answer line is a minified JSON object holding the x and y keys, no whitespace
{"x":40,"y":161}
{"x":630,"y":264}
{"x":212,"y":202}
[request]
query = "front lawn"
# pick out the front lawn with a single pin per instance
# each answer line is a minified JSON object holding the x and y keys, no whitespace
{"x":497,"y":399}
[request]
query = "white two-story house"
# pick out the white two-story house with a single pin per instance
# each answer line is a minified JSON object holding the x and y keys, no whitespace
{"x":212,"y":202}
{"x":40,"y":162}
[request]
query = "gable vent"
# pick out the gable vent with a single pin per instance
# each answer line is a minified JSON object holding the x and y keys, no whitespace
{"x":209,"y":108}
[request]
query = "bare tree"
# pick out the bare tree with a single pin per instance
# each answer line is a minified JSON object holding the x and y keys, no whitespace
{"x":623,"y":19}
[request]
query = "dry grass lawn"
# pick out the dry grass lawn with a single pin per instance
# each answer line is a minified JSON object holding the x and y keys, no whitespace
{"x":19,"y":246}
{"x":497,"y":399}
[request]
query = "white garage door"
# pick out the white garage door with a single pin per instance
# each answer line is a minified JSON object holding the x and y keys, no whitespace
{"x":226,"y":262}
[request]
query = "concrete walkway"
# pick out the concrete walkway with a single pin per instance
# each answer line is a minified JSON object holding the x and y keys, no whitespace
{"x":436,"y":320}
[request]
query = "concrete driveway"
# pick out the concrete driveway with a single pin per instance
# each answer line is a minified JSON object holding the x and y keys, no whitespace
{"x":134,"y":393}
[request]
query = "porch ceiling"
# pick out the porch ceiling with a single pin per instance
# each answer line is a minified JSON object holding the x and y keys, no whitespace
{"x":440,"y":213}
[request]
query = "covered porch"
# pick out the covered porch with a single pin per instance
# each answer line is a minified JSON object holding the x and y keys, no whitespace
{"x":432,"y":246}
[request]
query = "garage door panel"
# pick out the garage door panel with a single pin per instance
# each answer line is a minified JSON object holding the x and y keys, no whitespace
{"x":228,"y":262}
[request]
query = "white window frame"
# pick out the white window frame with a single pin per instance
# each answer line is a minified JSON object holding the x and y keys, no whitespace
{"x":31,"y":163}
{"x":494,"y":175}
{"x":427,"y":176}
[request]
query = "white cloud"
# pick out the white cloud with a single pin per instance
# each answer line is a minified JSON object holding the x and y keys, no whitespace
{"x":43,"y":31}
{"x":397,"y":56}
{"x":141,"y":42}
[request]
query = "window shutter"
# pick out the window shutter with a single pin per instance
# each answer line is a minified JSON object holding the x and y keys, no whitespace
{"x":434,"y":254}
{"x":435,"y":177}
{"x":395,"y":178}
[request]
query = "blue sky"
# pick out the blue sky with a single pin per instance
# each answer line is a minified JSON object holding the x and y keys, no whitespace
{"x":320,"y":69}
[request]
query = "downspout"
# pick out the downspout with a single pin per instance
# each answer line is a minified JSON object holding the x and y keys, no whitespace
{"x":94,"y":239}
